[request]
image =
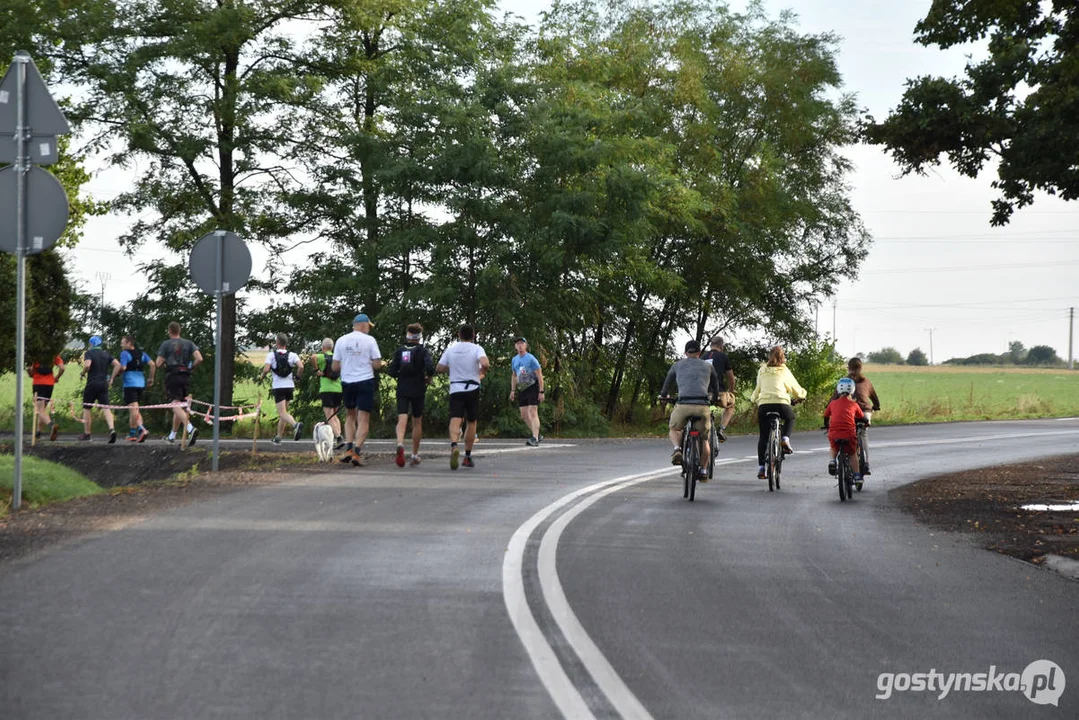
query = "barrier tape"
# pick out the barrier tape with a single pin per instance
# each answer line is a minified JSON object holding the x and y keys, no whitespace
{"x":209,"y":418}
{"x":227,"y":407}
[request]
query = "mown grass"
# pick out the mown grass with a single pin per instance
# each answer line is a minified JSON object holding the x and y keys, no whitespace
{"x":43,"y":482}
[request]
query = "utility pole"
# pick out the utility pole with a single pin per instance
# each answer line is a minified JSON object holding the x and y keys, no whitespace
{"x":833,"y":320}
{"x":1071,"y":327}
{"x":103,"y":277}
{"x":930,"y":344}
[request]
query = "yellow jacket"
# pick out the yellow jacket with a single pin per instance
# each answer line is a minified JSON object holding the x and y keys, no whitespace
{"x":776,"y":386}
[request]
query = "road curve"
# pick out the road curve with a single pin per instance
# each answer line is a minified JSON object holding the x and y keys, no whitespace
{"x":391,"y":593}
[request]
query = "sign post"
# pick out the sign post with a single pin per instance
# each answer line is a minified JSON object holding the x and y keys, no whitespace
{"x":40,"y":214}
{"x":220,"y":265}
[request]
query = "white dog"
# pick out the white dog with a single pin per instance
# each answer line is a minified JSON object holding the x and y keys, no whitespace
{"x":324,"y":442}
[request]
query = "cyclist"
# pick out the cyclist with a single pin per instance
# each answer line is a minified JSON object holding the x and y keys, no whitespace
{"x":775,"y":390}
{"x":697,"y":385}
{"x":717,"y":355}
{"x":866,"y":397}
{"x":840,"y":417}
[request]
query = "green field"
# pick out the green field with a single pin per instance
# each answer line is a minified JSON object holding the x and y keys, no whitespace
{"x":43,"y":482}
{"x":942,"y":394}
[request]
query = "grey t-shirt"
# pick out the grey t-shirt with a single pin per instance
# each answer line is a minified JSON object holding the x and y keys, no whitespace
{"x":696,"y":380}
{"x":179,"y":354}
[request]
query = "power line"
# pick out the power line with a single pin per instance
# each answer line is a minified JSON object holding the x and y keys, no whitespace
{"x":969,"y":268}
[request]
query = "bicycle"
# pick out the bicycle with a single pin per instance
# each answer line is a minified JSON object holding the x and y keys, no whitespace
{"x":844,"y":472}
{"x":691,"y":454}
{"x":773,"y":457}
{"x":863,"y":459}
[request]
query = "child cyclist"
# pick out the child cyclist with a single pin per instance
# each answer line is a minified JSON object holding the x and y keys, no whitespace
{"x":866,"y":397}
{"x":839,"y":418}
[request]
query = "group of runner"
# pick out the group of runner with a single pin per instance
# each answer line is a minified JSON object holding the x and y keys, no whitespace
{"x":178,"y":356}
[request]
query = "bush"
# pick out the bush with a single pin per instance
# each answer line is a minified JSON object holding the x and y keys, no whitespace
{"x":917,"y":357}
{"x":886,"y":356}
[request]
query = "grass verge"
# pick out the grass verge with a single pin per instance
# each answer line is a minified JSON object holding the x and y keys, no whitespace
{"x":43,"y":482}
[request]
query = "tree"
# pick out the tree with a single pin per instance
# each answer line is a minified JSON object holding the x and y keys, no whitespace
{"x":1017,"y":353}
{"x":48,"y":308}
{"x":917,"y":357}
{"x":1042,"y":355}
{"x":1018,"y":106}
{"x":885,"y":356}
{"x":199,"y":94}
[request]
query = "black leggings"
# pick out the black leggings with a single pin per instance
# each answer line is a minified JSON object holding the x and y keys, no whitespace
{"x":785,"y":411}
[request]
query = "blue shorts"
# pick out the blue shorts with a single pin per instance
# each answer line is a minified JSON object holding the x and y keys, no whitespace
{"x":359,"y":395}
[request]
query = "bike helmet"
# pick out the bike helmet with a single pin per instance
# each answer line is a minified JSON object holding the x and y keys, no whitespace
{"x":845,"y":386}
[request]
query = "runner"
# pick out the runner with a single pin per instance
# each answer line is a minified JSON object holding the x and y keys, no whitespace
{"x":133,"y":362}
{"x":412,"y":366}
{"x":43,"y":377}
{"x":180,"y":358}
{"x":329,"y":389}
{"x":96,"y":364}
{"x":283,"y":364}
{"x":527,"y":376}
{"x":356,"y":357}
{"x":467,"y":364}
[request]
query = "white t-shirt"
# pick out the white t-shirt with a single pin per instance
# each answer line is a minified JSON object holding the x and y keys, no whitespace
{"x":463,"y":360}
{"x":278,"y":381}
{"x":355,"y":352}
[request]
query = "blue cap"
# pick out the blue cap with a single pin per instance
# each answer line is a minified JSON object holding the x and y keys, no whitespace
{"x":95,"y":340}
{"x":362,"y":318}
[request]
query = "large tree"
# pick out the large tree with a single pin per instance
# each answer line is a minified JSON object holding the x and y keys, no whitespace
{"x":1018,"y":106}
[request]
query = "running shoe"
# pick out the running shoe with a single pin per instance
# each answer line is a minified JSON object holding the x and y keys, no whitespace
{"x":143,"y":434}
{"x":455,"y":458}
{"x":347,"y":457}
{"x":702,"y":475}
{"x":54,"y":433}
{"x":132,"y":438}
{"x":532,"y":442}
{"x":760,"y":472}
{"x":357,"y":459}
{"x":192,"y":436}
{"x":467,"y":461}
{"x":169,"y":439}
{"x":276,"y":440}
{"x":831,"y":467}
{"x":112,"y":437}
{"x":787,"y":449}
{"x":85,"y":437}
{"x":722,"y":435}
{"x":539,"y":439}
{"x":676,"y":456}
{"x":400,"y":457}
{"x":339,"y":443}
{"x":299,"y":429}
{"x":415,"y":461}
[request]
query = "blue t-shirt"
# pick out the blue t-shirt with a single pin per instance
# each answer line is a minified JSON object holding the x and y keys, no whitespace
{"x":134,"y":378}
{"x":525,"y":367}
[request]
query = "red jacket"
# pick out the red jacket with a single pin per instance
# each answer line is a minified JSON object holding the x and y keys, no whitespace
{"x":841,"y":414}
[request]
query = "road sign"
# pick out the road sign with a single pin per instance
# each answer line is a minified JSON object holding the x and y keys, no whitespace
{"x":235,"y":263}
{"x":42,"y":113}
{"x":46,"y":210}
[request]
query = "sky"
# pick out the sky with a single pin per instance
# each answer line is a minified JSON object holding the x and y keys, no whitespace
{"x":938,"y":277}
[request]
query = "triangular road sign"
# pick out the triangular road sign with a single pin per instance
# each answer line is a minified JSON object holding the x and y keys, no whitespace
{"x":42,"y":113}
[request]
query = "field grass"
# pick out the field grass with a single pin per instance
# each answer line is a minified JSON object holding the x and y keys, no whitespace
{"x":43,"y":482}
{"x":947,"y":393}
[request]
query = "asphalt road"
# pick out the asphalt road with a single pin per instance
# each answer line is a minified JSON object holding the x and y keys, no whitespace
{"x":570,"y":579}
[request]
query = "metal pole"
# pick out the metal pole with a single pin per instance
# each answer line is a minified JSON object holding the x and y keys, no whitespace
{"x":930,"y":346}
{"x":1071,"y":327}
{"x":217,"y":346}
{"x":22,"y":167}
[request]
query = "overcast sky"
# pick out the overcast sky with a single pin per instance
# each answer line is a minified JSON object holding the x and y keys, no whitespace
{"x":936,"y":265}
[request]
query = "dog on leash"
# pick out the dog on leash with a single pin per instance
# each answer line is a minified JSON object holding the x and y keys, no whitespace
{"x":324,"y":442}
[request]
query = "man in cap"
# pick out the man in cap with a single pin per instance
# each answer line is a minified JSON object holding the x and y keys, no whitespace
{"x":356,"y":357}
{"x":698,"y":385}
{"x":412,"y":366}
{"x":97,"y":365}
{"x":526,"y":384}
{"x":717,"y":355}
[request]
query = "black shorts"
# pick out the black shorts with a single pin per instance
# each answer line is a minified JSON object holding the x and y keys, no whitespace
{"x":177,"y":386}
{"x":43,"y":392}
{"x":359,"y":395}
{"x":331,"y":400}
{"x":96,"y":391}
{"x":528,"y":396}
{"x":280,"y":394}
{"x":132,"y":395}
{"x":465,"y":405}
{"x":415,"y":403}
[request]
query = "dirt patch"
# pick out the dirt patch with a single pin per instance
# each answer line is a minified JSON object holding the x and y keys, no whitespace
{"x":988,"y":503}
{"x":142,"y":480}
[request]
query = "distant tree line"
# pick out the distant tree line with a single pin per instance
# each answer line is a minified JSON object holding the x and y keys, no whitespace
{"x":1037,"y":356}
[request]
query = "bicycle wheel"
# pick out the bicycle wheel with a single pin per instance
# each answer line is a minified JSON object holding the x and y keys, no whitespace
{"x":692,"y":460}
{"x":841,"y":475}
{"x":778,"y":452}
{"x":714,"y":443}
{"x":770,"y":461}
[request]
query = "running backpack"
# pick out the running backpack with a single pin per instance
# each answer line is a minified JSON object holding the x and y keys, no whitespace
{"x":412,"y":364}
{"x":135,"y":363}
{"x":327,"y":367}
{"x":281,"y":365}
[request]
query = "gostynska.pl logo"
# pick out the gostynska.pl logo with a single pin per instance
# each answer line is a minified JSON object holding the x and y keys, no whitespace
{"x":1041,"y":682}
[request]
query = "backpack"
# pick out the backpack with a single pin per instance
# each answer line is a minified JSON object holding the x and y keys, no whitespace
{"x":412,"y":364}
{"x":281,"y":365}
{"x":135,"y":363}
{"x":327,"y":367}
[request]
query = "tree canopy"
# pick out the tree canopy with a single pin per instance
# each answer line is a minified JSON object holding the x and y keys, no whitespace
{"x":1017,"y":107}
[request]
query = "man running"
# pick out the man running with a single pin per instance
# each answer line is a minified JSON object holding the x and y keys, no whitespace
{"x":356,"y":357}
{"x":43,"y":377}
{"x":180,"y":358}
{"x":526,"y":376}
{"x":717,"y":355}
{"x":133,"y":362}
{"x":283,"y":363}
{"x":329,"y":388}
{"x":96,"y":364}
{"x":412,"y":366}
{"x":467,"y":364}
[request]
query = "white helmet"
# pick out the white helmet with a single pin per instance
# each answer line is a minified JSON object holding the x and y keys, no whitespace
{"x":845,"y":386}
